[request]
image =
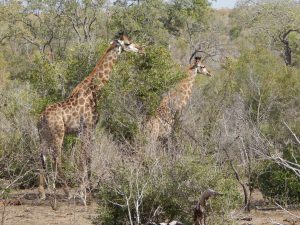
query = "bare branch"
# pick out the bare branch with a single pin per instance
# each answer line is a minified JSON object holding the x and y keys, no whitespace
{"x":297,"y":139}
{"x":298,"y":217}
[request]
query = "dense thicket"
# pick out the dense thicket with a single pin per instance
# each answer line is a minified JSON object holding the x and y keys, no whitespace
{"x":244,"y":120}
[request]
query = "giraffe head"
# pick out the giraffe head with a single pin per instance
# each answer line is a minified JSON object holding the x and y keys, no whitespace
{"x":201,"y":68}
{"x":123,"y":42}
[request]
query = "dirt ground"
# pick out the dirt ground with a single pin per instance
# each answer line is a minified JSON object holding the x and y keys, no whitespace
{"x":275,"y":217}
{"x":23,"y":208}
{"x":261,"y":214}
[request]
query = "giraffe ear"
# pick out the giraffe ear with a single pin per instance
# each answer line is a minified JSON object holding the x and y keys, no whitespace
{"x":118,"y":35}
{"x":121,"y":35}
{"x":198,"y":58}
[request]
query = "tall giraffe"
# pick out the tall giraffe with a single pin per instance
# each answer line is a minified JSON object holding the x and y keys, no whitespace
{"x":77,"y":113}
{"x":161,"y":123}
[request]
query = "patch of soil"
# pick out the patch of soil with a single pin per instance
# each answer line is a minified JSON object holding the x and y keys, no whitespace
{"x":278,"y":217}
{"x":24,"y":208}
{"x":268,"y":215}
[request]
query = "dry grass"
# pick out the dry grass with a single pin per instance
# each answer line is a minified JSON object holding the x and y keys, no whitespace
{"x":29,"y":211}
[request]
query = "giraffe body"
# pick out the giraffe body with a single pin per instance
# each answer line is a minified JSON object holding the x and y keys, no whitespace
{"x":161,"y":123}
{"x":77,"y":114}
{"x":200,"y":209}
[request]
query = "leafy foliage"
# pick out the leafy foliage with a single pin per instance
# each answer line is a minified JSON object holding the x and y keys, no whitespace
{"x":267,"y":86}
{"x":162,"y":189}
{"x":135,"y":89}
{"x":279,"y":183}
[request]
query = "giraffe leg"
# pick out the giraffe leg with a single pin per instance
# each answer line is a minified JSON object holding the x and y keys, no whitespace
{"x":42,"y":178}
{"x":82,"y":167}
{"x":57,"y":164}
{"x":89,"y":169}
{"x":85,"y":161}
{"x":62,"y":179}
{"x":44,"y":147}
{"x":151,"y":133}
{"x":87,"y":149}
{"x":54,"y":177}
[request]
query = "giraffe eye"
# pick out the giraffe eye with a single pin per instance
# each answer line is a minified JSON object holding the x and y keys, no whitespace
{"x":126,"y":44}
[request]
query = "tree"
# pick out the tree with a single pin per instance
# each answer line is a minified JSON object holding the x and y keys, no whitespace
{"x":271,"y":23}
{"x":84,"y":17}
{"x":38,"y":25}
{"x":50,"y":26}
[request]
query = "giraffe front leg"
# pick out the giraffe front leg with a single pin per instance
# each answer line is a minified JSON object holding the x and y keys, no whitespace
{"x":151,"y":132}
{"x":52,"y":183}
{"x":82,"y":167}
{"x":85,"y":162}
{"x":42,"y":194}
{"x":57,"y":171}
{"x":89,"y":169}
{"x":62,"y":179}
{"x":43,"y":170}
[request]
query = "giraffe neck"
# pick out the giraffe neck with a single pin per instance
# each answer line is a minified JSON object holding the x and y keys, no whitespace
{"x":180,"y":96}
{"x":187,"y":83}
{"x":101,"y":73}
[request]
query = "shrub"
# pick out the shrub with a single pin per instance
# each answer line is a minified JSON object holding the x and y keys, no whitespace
{"x":147,"y":189}
{"x":279,"y":183}
{"x":18,"y":137}
{"x":135,"y":89}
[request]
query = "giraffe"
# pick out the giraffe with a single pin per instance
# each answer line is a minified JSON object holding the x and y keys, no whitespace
{"x":77,"y":114}
{"x":201,"y":208}
{"x":160,"y":124}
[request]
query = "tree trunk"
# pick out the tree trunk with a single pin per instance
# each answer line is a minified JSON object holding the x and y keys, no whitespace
{"x":287,"y":53}
{"x":286,"y":46}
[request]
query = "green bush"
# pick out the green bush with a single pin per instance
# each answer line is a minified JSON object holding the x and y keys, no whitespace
{"x":269,"y":89}
{"x":80,"y":61}
{"x":135,"y":89}
{"x":169,"y":187}
{"x":280,"y":183}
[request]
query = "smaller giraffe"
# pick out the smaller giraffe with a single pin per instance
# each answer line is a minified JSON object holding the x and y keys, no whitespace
{"x":200,"y":210}
{"x":161,"y":123}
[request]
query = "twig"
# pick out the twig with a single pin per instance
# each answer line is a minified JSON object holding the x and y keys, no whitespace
{"x":274,"y":222}
{"x":12,"y":183}
{"x":292,"y":132}
{"x":298,"y":217}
